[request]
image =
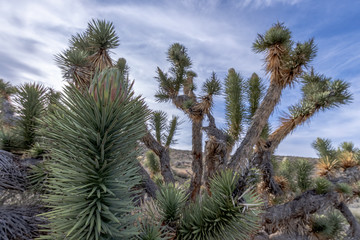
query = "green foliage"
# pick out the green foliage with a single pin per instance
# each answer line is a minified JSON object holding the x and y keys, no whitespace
{"x":169,"y":85}
{"x":152,"y":162}
{"x":164,"y":132}
{"x":150,"y":231}
{"x":329,"y":226}
{"x":255,"y":92}
{"x":31,"y":100}
{"x":36,"y":151}
{"x":320,"y":93}
{"x":221,"y":216}
{"x":101,"y":35}
{"x":324,"y":148}
{"x":287,"y":169}
{"x":344,"y":188}
{"x":278,"y":34}
{"x":212,"y":86}
{"x":348,"y":147}
{"x":322,"y":185}
{"x":158,"y":124}
{"x":10,"y":140}
{"x":123,"y":67}
{"x":303,"y":172}
{"x":38,"y":176}
{"x":234,"y":103}
{"x":170,"y":201}
{"x":172,"y":129}
{"x":94,"y":166}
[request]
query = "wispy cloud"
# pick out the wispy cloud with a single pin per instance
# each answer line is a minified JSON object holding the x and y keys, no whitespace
{"x":218,"y":35}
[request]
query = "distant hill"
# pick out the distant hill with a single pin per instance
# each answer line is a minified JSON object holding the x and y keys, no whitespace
{"x":181,"y":161}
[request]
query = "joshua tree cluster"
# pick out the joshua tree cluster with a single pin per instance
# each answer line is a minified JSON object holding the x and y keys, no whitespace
{"x":88,"y":138}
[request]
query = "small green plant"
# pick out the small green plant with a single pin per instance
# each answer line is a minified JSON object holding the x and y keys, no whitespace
{"x":329,"y":226}
{"x":287,"y":169}
{"x":219,"y":216}
{"x":152,"y":162}
{"x":322,"y":185}
{"x":31,"y":100}
{"x":170,"y":201}
{"x":303,"y":172}
{"x":10,"y":140}
{"x":344,"y":188}
{"x":150,"y":231}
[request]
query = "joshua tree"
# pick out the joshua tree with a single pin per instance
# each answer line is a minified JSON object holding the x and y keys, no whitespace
{"x":164,"y":137}
{"x":285,"y":63}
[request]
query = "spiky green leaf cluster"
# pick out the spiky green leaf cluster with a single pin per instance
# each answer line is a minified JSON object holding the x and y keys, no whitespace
{"x":320,"y":93}
{"x":349,"y":147}
{"x":324,"y":148}
{"x":169,"y":85}
{"x":322,"y":185}
{"x":31,"y":101}
{"x":164,"y":132}
{"x":152,"y":162}
{"x":170,"y":201}
{"x":93,"y":166}
{"x":150,"y":231}
{"x":301,"y":55}
{"x":221,"y":215}
{"x":212,"y":86}
{"x":303,"y":171}
{"x":278,"y":34}
{"x":329,"y":226}
{"x":255,"y":92}
{"x":344,"y":188}
{"x":234,"y":103}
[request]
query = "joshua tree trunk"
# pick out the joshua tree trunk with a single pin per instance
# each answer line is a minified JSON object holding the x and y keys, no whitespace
{"x":258,"y":123}
{"x":197,"y":165}
{"x":163,"y":153}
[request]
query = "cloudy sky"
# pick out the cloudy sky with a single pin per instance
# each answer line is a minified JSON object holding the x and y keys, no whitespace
{"x":218,"y":35}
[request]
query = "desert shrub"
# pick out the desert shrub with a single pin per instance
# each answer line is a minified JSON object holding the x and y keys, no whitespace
{"x":287,"y":170}
{"x":92,"y":139}
{"x":348,"y":159}
{"x":344,"y":188}
{"x":322,"y":185}
{"x":326,"y":165}
{"x":151,"y":231}
{"x":218,"y":216}
{"x":329,"y":226}
{"x":303,"y":172}
{"x":31,"y":100}
{"x":10,"y":140}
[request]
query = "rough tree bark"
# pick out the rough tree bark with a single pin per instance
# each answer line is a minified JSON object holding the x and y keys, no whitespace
{"x":163,"y":154}
{"x":197,"y":165}
{"x":260,"y":119}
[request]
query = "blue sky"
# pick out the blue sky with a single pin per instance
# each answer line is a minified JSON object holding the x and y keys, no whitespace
{"x":218,"y":35}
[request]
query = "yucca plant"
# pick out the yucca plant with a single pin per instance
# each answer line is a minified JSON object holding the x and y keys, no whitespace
{"x":348,"y":159}
{"x":151,"y":231}
{"x":304,"y":171}
{"x":222,"y":215}
{"x":329,"y":226}
{"x":31,"y":100}
{"x":92,"y":138}
{"x":322,"y":185}
{"x":344,"y":188}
